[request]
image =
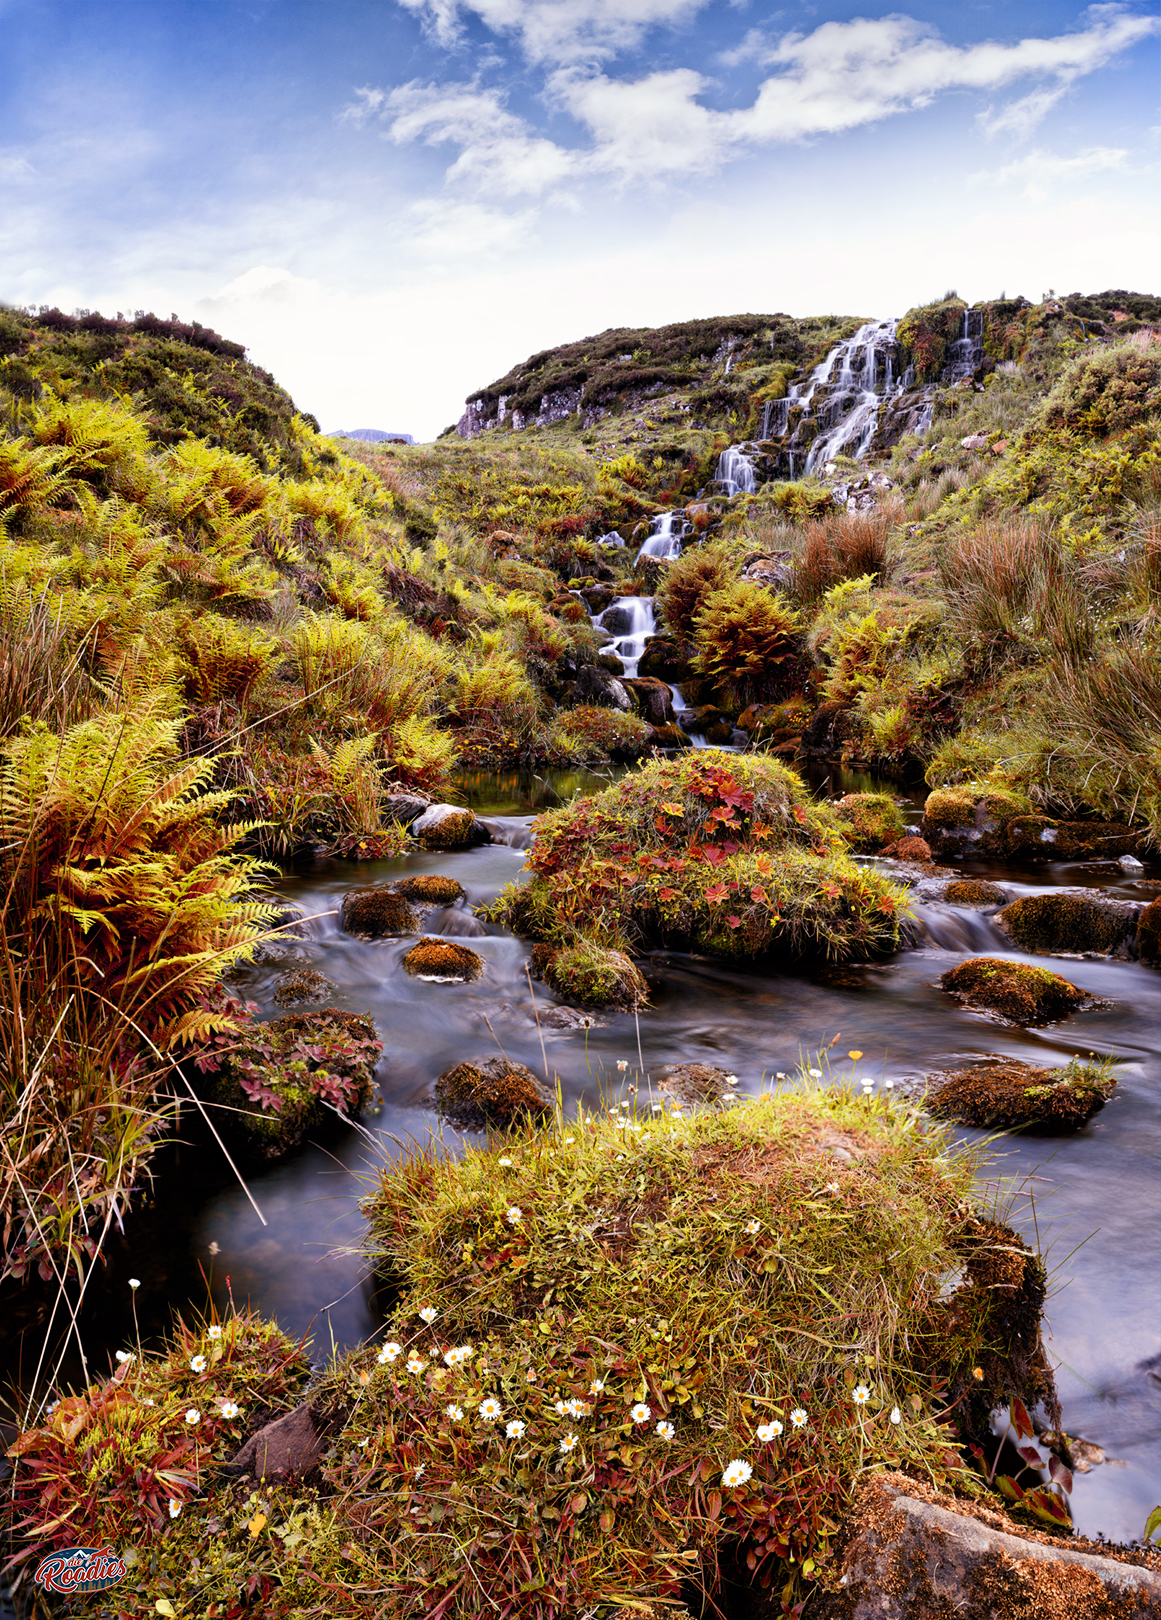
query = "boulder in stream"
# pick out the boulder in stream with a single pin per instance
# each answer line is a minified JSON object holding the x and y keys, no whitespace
{"x":302,"y":984}
{"x":376,"y":913}
{"x":442,"y":961}
{"x":1007,"y":1094}
{"x":1012,"y":991}
{"x":593,"y":976}
{"x":1072,"y":920}
{"x":872,"y":820}
{"x":431,"y":889}
{"x":974,"y":892}
{"x":449,"y":826}
{"x":490,"y":1094}
{"x":1149,"y":933}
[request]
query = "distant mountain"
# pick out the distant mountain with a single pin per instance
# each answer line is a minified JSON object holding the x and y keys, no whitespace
{"x":370,"y":435}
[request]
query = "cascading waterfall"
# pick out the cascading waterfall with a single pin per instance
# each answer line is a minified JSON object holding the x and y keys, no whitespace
{"x":630,"y":623}
{"x":735,"y":472}
{"x":865,"y":366}
{"x":966,"y":354}
{"x":665,"y":539}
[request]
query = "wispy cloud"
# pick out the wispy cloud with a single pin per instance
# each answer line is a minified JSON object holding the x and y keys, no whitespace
{"x":558,"y":31}
{"x":1038,"y":171}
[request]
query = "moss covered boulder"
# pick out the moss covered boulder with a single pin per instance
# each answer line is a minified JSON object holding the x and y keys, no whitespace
{"x":491,"y":1094}
{"x":430,"y":889}
{"x":974,"y":892}
{"x":971,"y":819}
{"x":1072,"y":920}
{"x":872,"y":820}
{"x":442,"y":960}
{"x":280,"y":1082}
{"x":729,"y":855}
{"x":1149,"y":934}
{"x":302,"y":984}
{"x":377,"y":913}
{"x":1012,"y":991}
{"x":1011,"y":1095}
{"x":1039,"y":838}
{"x":449,"y":826}
{"x":595,"y":976}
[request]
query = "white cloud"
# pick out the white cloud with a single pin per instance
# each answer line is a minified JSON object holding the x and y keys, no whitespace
{"x":449,"y":232}
{"x":1019,"y":118}
{"x":264,"y":284}
{"x":650,"y":128}
{"x":14,"y":168}
{"x":558,"y":30}
{"x":1038,"y":170}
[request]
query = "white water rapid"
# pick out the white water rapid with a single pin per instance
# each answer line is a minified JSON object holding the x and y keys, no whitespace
{"x":735,"y":472}
{"x":841,"y":397}
{"x":630,"y":623}
{"x":666,"y":536}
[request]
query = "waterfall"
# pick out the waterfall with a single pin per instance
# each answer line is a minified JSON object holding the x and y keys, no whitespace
{"x":665,"y":538}
{"x":966,"y":354}
{"x":865,"y":366}
{"x":735,"y":472}
{"x":630,"y":623}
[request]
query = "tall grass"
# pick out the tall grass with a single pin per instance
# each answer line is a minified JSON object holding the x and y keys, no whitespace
{"x":849,"y":545}
{"x":1013,"y":592}
{"x":42,"y":669}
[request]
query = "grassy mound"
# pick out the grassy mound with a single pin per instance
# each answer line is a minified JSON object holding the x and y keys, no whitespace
{"x":1012,"y":990}
{"x":651,"y":1340}
{"x":493,"y":1094}
{"x":1015,"y":1096}
{"x":871,"y":820}
{"x":594,"y":976}
{"x":442,"y":959}
{"x":733,"y":858}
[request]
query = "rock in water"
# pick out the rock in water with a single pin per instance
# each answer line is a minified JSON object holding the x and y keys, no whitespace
{"x":373,"y":913}
{"x":440,"y":959}
{"x":431,"y":888}
{"x":494,"y":1094}
{"x":1012,"y":991}
{"x":1069,"y":920}
{"x":1011,"y":1095}
{"x":449,"y":826}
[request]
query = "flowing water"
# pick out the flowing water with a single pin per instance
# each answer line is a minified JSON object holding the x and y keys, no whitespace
{"x":1098,"y":1189}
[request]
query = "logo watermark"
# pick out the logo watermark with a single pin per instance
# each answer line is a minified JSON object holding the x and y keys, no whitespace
{"x":79,"y":1569}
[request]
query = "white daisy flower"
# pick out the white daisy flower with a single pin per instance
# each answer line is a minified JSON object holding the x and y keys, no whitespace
{"x":622,"y":1064}
{"x":640,"y":1413}
{"x":657,"y":1107}
{"x":193,"y":1416}
{"x":460,"y":1354}
{"x":197,"y":1364}
{"x":896,"y":1415}
{"x":779,"y":1075}
{"x":515,"y":1215}
{"x":666,"y":1431}
{"x":815,"y":1074}
{"x":731,"y":1079}
{"x":174,"y":1508}
{"x":798,"y":1417}
{"x":428,"y":1314}
{"x":124,"y":1355}
{"x":388,"y":1353}
{"x":737,"y":1472}
{"x":530,"y":1375}
{"x":515,"y":1429}
{"x":213,"y":1331}
{"x":415,"y":1364}
{"x":490,"y":1409}
{"x":454,"y":1412}
{"x":751,"y":1227}
{"x":860,"y":1394}
{"x":507,"y":1163}
{"x":135,"y":1283}
{"x":768,"y":1432}
{"x":229,"y":1409}
{"x":561,"y":1408}
{"x":568,"y":1443}
{"x":596,"y":1387}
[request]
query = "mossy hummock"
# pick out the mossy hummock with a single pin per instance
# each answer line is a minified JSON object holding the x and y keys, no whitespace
{"x":442,"y":959}
{"x":1012,"y":991}
{"x":1074,"y":921}
{"x":871,"y":819}
{"x":1011,"y":1095}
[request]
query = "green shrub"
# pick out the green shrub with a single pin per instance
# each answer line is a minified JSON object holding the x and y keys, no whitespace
{"x":747,"y":641}
{"x":689,"y":579}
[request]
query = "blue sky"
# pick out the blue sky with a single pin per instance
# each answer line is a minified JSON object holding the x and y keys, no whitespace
{"x":392,"y":201}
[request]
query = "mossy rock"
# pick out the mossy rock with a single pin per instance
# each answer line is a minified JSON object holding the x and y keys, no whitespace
{"x":1011,"y":1095}
{"x":871,"y":820}
{"x":972,"y":818}
{"x":493,"y":1094}
{"x":695,"y":1084}
{"x":593,"y":976}
{"x":1149,"y":933}
{"x":440,"y":959}
{"x":431,"y":889}
{"x":1069,"y":920}
{"x":448,"y":826}
{"x":668,"y":736}
{"x":1013,"y":991}
{"x":374,"y":913}
{"x":974,"y":892}
{"x":664,"y":659}
{"x":910,"y":849}
{"x":1040,"y":838}
{"x":302,"y":984}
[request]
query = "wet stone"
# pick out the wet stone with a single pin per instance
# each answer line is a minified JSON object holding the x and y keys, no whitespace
{"x":491,"y":1094}
{"x":441,"y":960}
{"x":375,"y":913}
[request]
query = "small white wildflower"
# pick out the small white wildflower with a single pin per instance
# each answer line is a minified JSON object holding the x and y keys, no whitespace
{"x":657,"y":1107}
{"x":620,"y":1158}
{"x":860,"y":1394}
{"x":737,"y":1472}
{"x":731,"y":1079}
{"x":213,"y":1331}
{"x":454,"y":1412}
{"x":388,"y":1353}
{"x":780,"y":1075}
{"x":577,"y":1409}
{"x":568,"y":1443}
{"x":507,"y":1163}
{"x":150,"y":1401}
{"x":125,"y":1355}
{"x":798,"y":1417}
{"x":193,"y":1416}
{"x":135,"y":1283}
{"x":428,"y":1314}
{"x":832,"y":1186}
{"x":415,"y":1364}
{"x":229,"y":1409}
{"x":666,"y":1431}
{"x":174,"y":1508}
{"x":896,"y":1415}
{"x":421,"y":1470}
{"x":815,"y":1074}
{"x":457,"y":1356}
{"x":515,"y":1215}
{"x":622,"y":1064}
{"x":569,"y":1139}
{"x":768,"y":1432}
{"x":490,"y":1409}
{"x":596,"y":1387}
{"x":515,"y":1429}
{"x":197,"y":1364}
{"x":888,"y":1084}
{"x":530,"y":1375}
{"x":561,"y":1408}
{"x":640,"y":1413}
{"x":751,"y":1227}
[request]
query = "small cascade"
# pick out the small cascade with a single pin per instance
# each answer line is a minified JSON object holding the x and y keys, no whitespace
{"x":667,"y":532}
{"x":629,"y":621}
{"x":835,"y":410}
{"x":966,"y":354}
{"x":735,"y":472}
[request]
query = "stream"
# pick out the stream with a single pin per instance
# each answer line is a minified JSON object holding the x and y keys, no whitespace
{"x":1098,"y":1189}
